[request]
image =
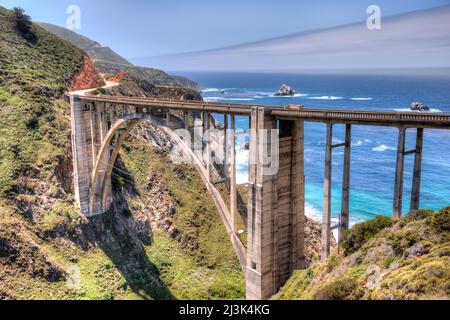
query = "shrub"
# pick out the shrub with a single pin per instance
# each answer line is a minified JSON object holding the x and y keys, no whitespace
{"x":332,"y":263}
{"x":417,"y":215}
{"x":441,"y":220}
{"x":339,"y":289}
{"x":363,"y":232}
{"x":22,"y":23}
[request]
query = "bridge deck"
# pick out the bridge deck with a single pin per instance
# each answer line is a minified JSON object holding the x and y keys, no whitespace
{"x":359,"y":117}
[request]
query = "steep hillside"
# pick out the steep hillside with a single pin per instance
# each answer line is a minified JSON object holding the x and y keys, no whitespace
{"x":47,"y":250}
{"x":109,"y":62}
{"x":383,"y":259}
{"x":91,"y":47}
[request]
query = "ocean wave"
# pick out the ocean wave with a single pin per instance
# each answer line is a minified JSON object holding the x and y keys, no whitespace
{"x":210,"y":90}
{"x":361,"y":142}
{"x":409,"y":110}
{"x":297,"y":95}
{"x":361,"y":99}
{"x":216,"y":99}
{"x":316,"y":215}
{"x":326,"y":98}
{"x":383,"y":147}
{"x":206,"y":90}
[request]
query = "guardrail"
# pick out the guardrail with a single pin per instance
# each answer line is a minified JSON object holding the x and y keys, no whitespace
{"x":321,"y":115}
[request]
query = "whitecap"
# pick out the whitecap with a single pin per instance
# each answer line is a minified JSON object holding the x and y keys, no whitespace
{"x":326,"y":98}
{"x":361,"y":99}
{"x":382,"y":148}
{"x":409,"y":110}
{"x":210,"y":90}
{"x":217,"y":99}
{"x":297,"y":95}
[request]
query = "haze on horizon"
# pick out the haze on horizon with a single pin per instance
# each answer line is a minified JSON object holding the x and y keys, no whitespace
{"x":418,"y":40}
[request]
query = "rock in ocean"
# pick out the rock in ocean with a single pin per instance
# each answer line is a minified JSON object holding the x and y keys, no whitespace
{"x":417,"y":106}
{"x":285,"y":91}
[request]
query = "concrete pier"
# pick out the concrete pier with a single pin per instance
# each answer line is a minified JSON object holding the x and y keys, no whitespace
{"x":345,"y":209}
{"x":417,"y":176}
{"x":398,"y":185}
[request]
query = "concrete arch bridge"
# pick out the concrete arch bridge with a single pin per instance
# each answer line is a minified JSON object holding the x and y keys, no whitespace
{"x":275,"y":215}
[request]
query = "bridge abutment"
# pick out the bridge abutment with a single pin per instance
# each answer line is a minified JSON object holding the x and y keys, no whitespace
{"x":89,"y":127}
{"x":276,"y":208}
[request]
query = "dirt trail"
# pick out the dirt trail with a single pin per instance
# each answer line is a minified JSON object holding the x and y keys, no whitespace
{"x":108,"y":85}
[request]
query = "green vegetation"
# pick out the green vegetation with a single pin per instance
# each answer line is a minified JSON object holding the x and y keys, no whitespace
{"x":363,"y":232}
{"x":194,"y":224}
{"x":91,"y":47}
{"x":32,"y":77}
{"x":22,"y":23}
{"x":385,"y":259}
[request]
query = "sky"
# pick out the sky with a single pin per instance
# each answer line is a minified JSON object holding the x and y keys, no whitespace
{"x":140,"y":28}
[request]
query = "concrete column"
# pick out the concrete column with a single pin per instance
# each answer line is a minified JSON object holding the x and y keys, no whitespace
{"x":415,"y":196}
{"x":186,"y":120}
{"x":93,"y":124}
{"x":326,"y":220}
{"x":233,"y":189}
{"x":226,"y":164}
{"x":208,"y":159}
{"x":260,"y":280}
{"x":111,"y":115}
{"x":345,"y":210}
{"x":198,"y":135}
{"x":81,"y":159}
{"x":298,"y":197}
{"x":398,"y":186}
{"x":168,"y":117}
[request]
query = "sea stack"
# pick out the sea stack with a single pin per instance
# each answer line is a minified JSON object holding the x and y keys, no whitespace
{"x":417,"y":106}
{"x":285,"y":91}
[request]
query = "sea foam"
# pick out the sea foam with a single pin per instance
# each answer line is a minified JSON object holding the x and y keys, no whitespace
{"x":409,"y":110}
{"x":326,"y":98}
{"x":382,"y":148}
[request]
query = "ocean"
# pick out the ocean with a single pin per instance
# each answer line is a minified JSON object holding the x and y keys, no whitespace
{"x":373,"y":148}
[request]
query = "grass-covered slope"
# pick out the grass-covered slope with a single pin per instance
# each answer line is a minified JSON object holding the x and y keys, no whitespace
{"x":33,"y":126}
{"x":191,"y":247}
{"x":383,"y":259}
{"x":91,"y":47}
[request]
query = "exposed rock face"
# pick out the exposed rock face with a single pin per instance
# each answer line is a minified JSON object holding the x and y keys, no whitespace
{"x":313,"y":236}
{"x":417,"y":106}
{"x":87,"y":77}
{"x":285,"y":91}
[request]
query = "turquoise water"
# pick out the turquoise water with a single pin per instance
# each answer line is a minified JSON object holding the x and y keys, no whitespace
{"x":374,"y":148}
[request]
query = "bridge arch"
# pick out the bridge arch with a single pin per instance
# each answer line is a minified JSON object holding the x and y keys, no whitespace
{"x":99,"y":183}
